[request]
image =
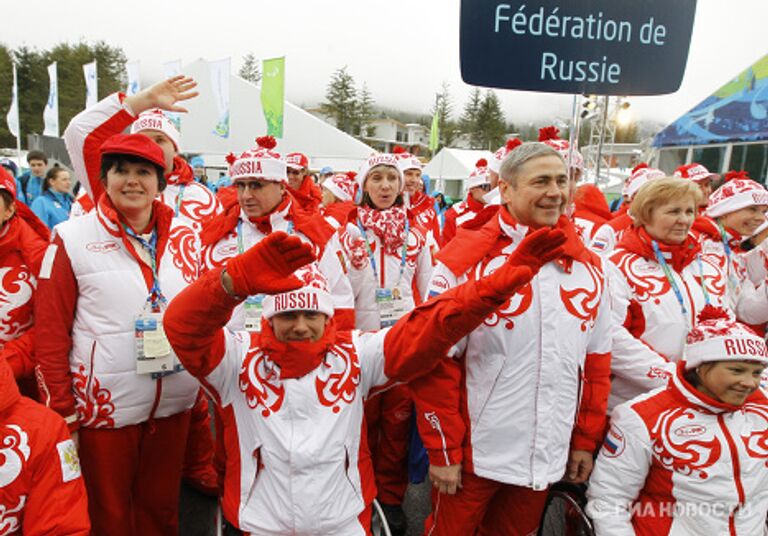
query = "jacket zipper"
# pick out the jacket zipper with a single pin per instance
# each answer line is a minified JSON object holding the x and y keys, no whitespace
{"x":90,"y":373}
{"x":736,"y":464}
{"x":538,"y":382}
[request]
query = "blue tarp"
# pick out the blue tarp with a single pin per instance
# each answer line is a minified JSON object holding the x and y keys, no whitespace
{"x":738,"y":111}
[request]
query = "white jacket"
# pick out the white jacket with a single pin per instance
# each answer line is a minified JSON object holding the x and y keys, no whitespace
{"x":193,"y":202}
{"x":677,"y":463}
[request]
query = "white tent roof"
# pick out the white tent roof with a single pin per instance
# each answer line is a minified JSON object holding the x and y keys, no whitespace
{"x":324,"y":144}
{"x":454,"y":164}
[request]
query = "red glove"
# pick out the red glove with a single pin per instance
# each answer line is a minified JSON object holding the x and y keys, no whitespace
{"x":536,"y":249}
{"x":268,"y":266}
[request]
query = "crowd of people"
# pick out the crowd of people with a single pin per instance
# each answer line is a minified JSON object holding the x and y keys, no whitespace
{"x":291,"y":348}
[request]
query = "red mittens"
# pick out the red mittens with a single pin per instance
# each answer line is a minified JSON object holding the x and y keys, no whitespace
{"x":268,"y":266}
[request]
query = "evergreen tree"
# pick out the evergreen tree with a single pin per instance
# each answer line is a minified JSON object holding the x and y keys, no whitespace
{"x":469,"y":123}
{"x":444,"y":107}
{"x":365,"y":113}
{"x":491,"y":122}
{"x":250,"y":69}
{"x":341,"y":100}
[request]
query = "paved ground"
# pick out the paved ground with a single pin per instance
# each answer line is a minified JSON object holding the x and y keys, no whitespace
{"x":197,"y":512}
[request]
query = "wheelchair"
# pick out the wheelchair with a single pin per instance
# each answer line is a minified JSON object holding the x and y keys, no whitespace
{"x":564,"y":512}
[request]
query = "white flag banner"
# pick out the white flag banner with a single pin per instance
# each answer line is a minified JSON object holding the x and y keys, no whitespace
{"x":91,"y":84}
{"x":132,"y":70}
{"x":51,"y":112}
{"x":13,"y":112}
{"x":220,"y":81}
{"x":171,"y":69}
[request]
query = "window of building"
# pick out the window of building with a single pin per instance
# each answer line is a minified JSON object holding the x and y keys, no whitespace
{"x":709,"y":157}
{"x":753,"y":158}
{"x":671,"y":159}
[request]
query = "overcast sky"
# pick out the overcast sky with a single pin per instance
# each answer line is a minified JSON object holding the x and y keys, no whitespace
{"x":402,"y":49}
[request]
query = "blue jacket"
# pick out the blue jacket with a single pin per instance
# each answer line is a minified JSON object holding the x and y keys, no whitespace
{"x":52,"y":207}
{"x":33,"y":190}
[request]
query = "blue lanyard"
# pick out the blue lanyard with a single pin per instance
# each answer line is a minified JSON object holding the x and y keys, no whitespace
{"x":241,"y":245}
{"x":155,"y":294}
{"x":370,"y":251}
{"x":178,"y":200}
{"x":670,"y":276}
{"x":731,"y":278}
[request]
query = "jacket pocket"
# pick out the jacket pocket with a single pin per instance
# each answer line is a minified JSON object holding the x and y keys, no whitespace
{"x":257,"y":471}
{"x":350,"y":479}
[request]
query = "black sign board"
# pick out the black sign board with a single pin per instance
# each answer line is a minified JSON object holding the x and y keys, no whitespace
{"x":604,"y":47}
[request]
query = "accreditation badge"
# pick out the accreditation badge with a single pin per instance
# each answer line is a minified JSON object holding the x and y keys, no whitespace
{"x":391,"y":306}
{"x":254,"y":308}
{"x":153,"y":351}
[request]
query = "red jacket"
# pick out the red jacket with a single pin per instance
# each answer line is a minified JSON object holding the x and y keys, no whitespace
{"x":41,"y":489}
{"x":308,"y":195}
{"x":458,"y":215}
{"x":591,"y":212}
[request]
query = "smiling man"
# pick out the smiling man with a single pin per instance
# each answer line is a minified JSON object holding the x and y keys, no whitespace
{"x":539,"y":360}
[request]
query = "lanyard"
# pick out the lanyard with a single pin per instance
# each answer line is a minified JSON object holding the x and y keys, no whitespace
{"x":703,"y":281}
{"x":178,"y":200}
{"x":241,"y":245}
{"x":155,"y":294}
{"x":731,"y":278}
{"x":373,"y":259}
{"x":670,"y":277}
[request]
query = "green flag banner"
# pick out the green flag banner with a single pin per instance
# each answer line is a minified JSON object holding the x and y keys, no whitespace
{"x":273,"y":95}
{"x":434,"y":133}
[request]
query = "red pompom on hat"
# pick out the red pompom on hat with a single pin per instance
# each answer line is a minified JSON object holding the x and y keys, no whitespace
{"x":734,"y":175}
{"x":479,"y":175}
{"x":133,"y":144}
{"x":641,"y":165}
{"x":266,"y":142}
{"x":735,"y":195}
{"x":695,"y":172}
{"x":549,"y":133}
{"x":481,"y":163}
{"x":398,"y":150}
{"x":7,"y":182}
{"x":231,"y":158}
{"x":495,"y":163}
{"x":314,"y":296}
{"x":717,"y":336}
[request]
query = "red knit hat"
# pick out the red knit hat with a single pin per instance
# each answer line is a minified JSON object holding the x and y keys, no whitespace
{"x":313,"y":296}
{"x":7,"y":182}
{"x":735,"y":195}
{"x":695,"y":172}
{"x":133,"y":144}
{"x":297,"y":161}
{"x":406,"y":160}
{"x":155,"y":119}
{"x":717,"y":336}
{"x":260,"y":162}
{"x":342,"y":185}
{"x":551,"y":136}
{"x":495,"y":163}
{"x":479,"y":175}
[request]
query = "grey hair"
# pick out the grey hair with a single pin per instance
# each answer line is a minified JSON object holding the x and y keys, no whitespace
{"x":522,"y":154}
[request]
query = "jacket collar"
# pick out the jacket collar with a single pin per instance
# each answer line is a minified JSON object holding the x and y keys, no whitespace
{"x":687,"y":392}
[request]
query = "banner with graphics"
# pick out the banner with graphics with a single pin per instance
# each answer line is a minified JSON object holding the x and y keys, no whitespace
{"x":134,"y":85}
{"x":273,"y":95}
{"x":51,"y":112}
{"x":91,"y":84}
{"x":13,"y":112}
{"x":220,"y":70}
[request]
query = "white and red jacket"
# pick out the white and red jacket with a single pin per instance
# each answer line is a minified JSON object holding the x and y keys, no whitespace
{"x":747,"y":297}
{"x":86,"y":132}
{"x":591,"y":211}
{"x":22,"y":246}
{"x":93,"y":283}
{"x":421,"y":210}
{"x":415,"y":273}
{"x":458,"y":215}
{"x":649,"y":324}
{"x":41,"y":488}
{"x":297,"y":460}
{"x":606,"y":237}
{"x":678,"y":462}
{"x":221,"y":242}
{"x":531,"y":382}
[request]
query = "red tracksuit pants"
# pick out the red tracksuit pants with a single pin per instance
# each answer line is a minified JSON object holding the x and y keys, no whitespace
{"x":485,"y":507}
{"x":133,"y":475}
{"x":388,"y":418}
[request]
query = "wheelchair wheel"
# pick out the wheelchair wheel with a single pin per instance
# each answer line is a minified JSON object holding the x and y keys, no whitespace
{"x":564,"y":515}
{"x":379,"y":525}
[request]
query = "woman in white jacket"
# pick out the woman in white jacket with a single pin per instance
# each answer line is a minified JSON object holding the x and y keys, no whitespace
{"x":691,"y":459}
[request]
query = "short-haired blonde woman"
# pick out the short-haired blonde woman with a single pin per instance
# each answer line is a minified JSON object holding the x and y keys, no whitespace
{"x":659,"y":283}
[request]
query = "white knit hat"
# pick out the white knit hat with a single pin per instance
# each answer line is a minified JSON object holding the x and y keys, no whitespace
{"x":551,"y":136}
{"x":379,"y":159}
{"x":313,"y":296}
{"x":155,"y":119}
{"x":695,"y":172}
{"x":735,"y":195}
{"x":406,"y":160}
{"x":479,"y":175}
{"x":342,"y":185}
{"x":717,"y":336}
{"x":258,"y":163}
{"x":495,"y":163}
{"x":641,"y":174}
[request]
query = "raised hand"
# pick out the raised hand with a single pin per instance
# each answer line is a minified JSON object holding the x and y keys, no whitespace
{"x":268,"y":267}
{"x":164,"y":95}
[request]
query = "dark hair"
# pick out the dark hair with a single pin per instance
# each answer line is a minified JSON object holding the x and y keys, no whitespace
{"x":366,"y":201}
{"x":692,"y":377}
{"x":51,"y":175}
{"x":37,"y":155}
{"x":7,"y":196}
{"x":108,"y":161}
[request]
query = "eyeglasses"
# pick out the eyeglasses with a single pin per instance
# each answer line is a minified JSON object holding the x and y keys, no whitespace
{"x":250,"y":185}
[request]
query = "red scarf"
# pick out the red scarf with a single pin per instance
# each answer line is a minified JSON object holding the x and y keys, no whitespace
{"x":637,"y":240}
{"x":709,"y":228}
{"x":25,"y":233}
{"x":296,"y":358}
{"x":473,"y":204}
{"x":181,"y":173}
{"x":388,"y":226}
{"x":9,"y":392}
{"x":308,"y":195}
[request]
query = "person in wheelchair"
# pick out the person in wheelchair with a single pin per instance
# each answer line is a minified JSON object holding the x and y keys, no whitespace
{"x":691,"y":458}
{"x":292,"y":394}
